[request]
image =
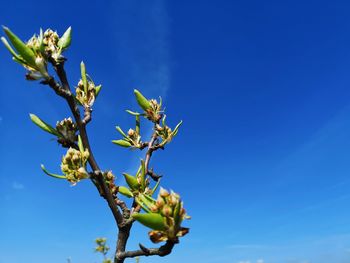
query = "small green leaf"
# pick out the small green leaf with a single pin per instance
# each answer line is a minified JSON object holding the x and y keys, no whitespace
{"x":66,"y":39}
{"x":143,"y":174}
{"x":177,"y":209}
{"x":151,"y":220}
{"x":176,"y":129}
{"x":122,"y":143}
{"x":143,"y":206}
{"x":149,"y":199}
{"x":83,"y":76}
{"x":19,"y":60}
{"x":80,"y":144}
{"x":131,"y":181}
{"x":7,"y":45}
{"x":125,"y":191}
{"x":121,"y":131}
{"x":43,"y":125}
{"x":51,"y":174}
{"x":155,"y":187}
{"x":97,"y":90}
{"x":26,"y":53}
{"x":142,"y":101}
{"x":133,"y":113}
{"x":137,"y":129}
{"x":163,"y":120}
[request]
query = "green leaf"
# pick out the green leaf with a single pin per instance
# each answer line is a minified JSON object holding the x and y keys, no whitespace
{"x":51,"y":174}
{"x":83,"y":76}
{"x":155,"y":187}
{"x":148,"y":202}
{"x":137,"y":129}
{"x":97,"y":90}
{"x":66,"y":39}
{"x":43,"y":125}
{"x":176,"y":129}
{"x":80,"y":144}
{"x":19,"y":60}
{"x":143,"y":206}
{"x":151,"y":220}
{"x":143,"y":174}
{"x":122,"y":143}
{"x":7,"y":45}
{"x":163,"y":120}
{"x":177,"y":209}
{"x":121,"y":131}
{"x":131,"y":181}
{"x":26,"y":53}
{"x":125,"y":191}
{"x":142,"y":101}
{"x":133,"y":113}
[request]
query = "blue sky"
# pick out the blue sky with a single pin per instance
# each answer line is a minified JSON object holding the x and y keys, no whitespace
{"x":261,"y":160}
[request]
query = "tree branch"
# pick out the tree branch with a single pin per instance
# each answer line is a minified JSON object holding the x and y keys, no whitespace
{"x":65,"y":92}
{"x":143,"y":251}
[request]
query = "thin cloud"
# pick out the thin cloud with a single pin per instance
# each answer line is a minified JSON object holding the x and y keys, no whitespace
{"x":143,"y":50}
{"x":142,"y":44}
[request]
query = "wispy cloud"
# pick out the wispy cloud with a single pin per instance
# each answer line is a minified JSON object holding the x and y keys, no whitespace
{"x":17,"y":186}
{"x":142,"y":44}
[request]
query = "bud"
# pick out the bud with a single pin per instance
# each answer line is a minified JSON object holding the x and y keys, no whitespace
{"x":86,"y":95}
{"x":82,"y":173}
{"x":167,"y":211}
{"x":163,"y":192}
{"x":73,"y":165}
{"x":67,"y":128}
{"x":131,"y":132}
{"x":109,"y":176}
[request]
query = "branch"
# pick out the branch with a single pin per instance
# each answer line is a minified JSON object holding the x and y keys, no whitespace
{"x":143,"y":251}
{"x":64,"y":91}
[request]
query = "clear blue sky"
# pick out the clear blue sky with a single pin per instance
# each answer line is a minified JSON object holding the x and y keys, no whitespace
{"x":261,"y":161}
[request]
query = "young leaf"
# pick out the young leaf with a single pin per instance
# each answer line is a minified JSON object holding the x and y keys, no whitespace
{"x":143,"y":206}
{"x":66,"y":39}
{"x":176,"y":129}
{"x":122,"y":143}
{"x":133,"y":113}
{"x":80,"y":144}
{"x":155,"y":187}
{"x":177,"y":209}
{"x":131,"y":181}
{"x":143,"y":173}
{"x":142,"y":101}
{"x":125,"y":191}
{"x":151,"y":220}
{"x":26,"y":53}
{"x":51,"y":174}
{"x":7,"y":45}
{"x":137,"y":129}
{"x":43,"y":125}
{"x":121,"y":131}
{"x":83,"y":76}
{"x":97,"y":90}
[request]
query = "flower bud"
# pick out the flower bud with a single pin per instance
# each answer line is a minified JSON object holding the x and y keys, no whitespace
{"x":163,"y":192}
{"x":167,"y":211}
{"x":131,"y":132}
